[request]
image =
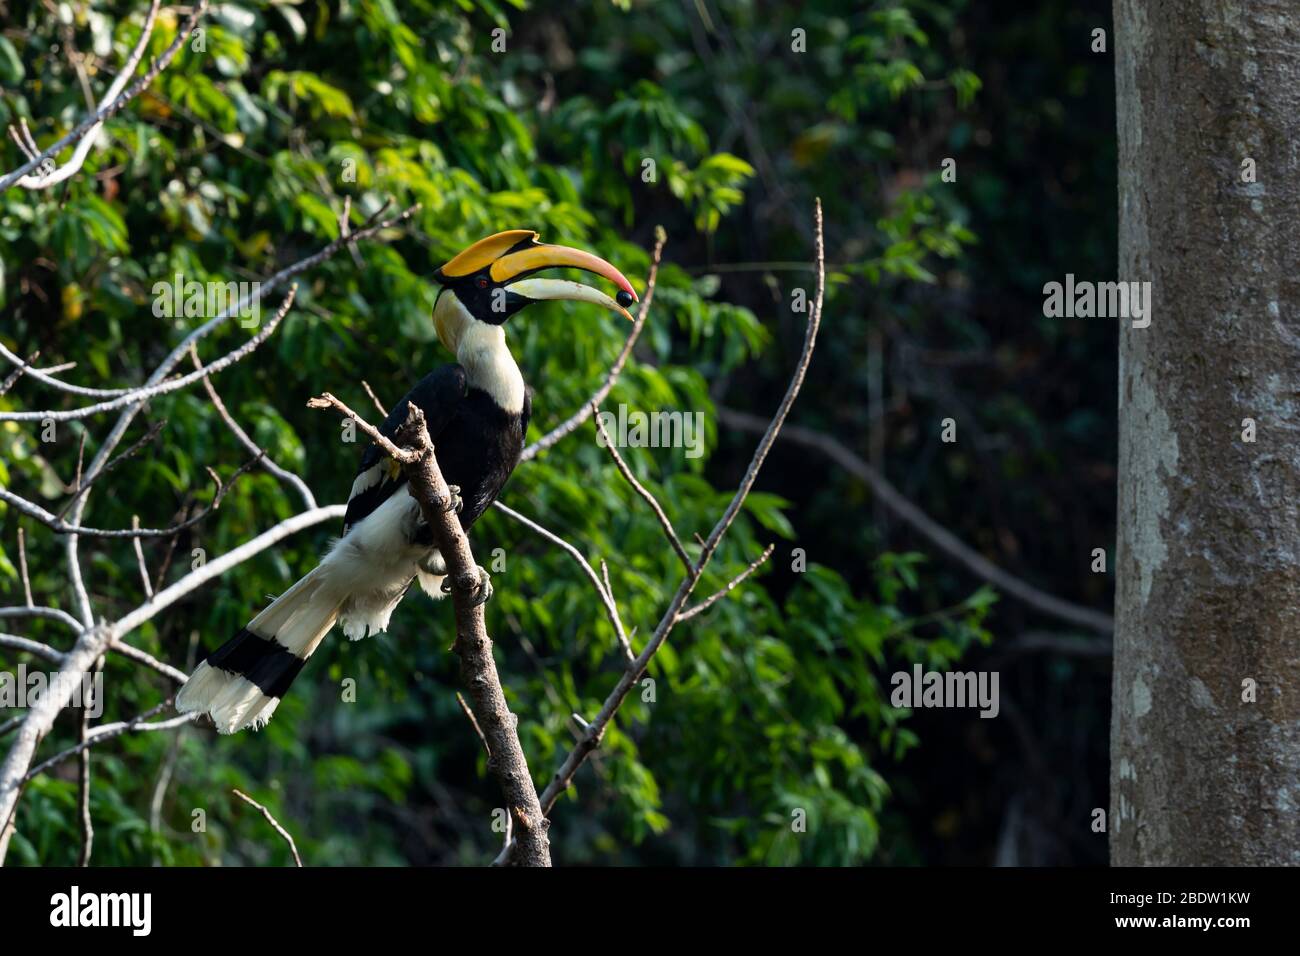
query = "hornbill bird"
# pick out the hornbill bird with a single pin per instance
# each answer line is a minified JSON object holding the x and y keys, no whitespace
{"x":477,"y":414}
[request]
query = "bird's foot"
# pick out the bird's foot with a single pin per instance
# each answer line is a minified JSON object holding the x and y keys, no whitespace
{"x":457,"y":502}
{"x":482,"y":591}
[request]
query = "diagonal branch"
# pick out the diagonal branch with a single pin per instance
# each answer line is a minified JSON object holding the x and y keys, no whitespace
{"x":114,"y":100}
{"x":26,"y":368}
{"x":58,"y":525}
{"x":939,"y":536}
{"x":735,"y":582}
{"x":595,"y":730}
{"x":146,"y":392}
{"x":288,"y":477}
{"x":473,"y":646}
{"x":606,"y":597}
{"x":641,"y":490}
{"x":275,"y":824}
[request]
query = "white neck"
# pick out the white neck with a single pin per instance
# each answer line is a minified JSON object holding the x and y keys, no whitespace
{"x":482,"y":349}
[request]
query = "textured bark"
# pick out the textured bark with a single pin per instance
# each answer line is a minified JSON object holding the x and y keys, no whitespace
{"x":1208,"y":562}
{"x":478,"y":670}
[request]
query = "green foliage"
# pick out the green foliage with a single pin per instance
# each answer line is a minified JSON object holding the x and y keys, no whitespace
{"x":235,"y":164}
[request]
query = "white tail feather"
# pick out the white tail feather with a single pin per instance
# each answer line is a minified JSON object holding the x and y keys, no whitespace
{"x":297,"y":621}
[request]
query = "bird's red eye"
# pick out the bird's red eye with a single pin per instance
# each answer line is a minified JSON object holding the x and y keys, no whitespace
{"x":482,"y":282}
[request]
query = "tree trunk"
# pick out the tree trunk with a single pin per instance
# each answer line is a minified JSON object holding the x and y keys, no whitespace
{"x":1203,"y":771}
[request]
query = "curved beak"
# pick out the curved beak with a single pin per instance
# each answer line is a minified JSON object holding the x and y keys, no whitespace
{"x":539,"y":289}
{"x":534,"y":258}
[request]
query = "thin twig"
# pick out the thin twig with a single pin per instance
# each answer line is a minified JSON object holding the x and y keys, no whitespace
{"x":474,"y":721}
{"x":275,"y":824}
{"x":624,"y":641}
{"x":606,"y":599}
{"x":563,"y":776}
{"x":25,"y":367}
{"x":405,"y":456}
{"x":139,"y":558}
{"x":81,"y":461}
{"x":345,"y":231}
{"x":939,"y":536}
{"x":83,"y":778}
{"x":641,"y":490}
{"x":22,"y":567}
{"x":309,"y":500}
{"x":374,"y":398}
{"x":735,"y":582}
{"x":147,"y":392}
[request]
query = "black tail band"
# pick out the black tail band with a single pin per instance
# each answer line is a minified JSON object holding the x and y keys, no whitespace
{"x":270,"y":666}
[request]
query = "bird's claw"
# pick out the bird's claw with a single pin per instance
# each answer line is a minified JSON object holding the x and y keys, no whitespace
{"x":482,"y":591}
{"x":456,"y":503}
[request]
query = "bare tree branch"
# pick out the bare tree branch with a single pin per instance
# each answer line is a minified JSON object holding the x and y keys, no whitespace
{"x":275,"y":824}
{"x":595,"y":730}
{"x":473,"y":645}
{"x":133,"y":653}
{"x":22,"y":568}
{"x":57,"y":524}
{"x":403,"y":455}
{"x":939,"y":536}
{"x":108,"y":731}
{"x":606,"y":598}
{"x":52,"y":613}
{"x":308,"y":499}
{"x":45,"y":376}
{"x":114,"y":100}
{"x":147,"y":392}
{"x":44,"y":651}
{"x":26,"y":368}
{"x":712,"y":599}
{"x":641,"y":490}
{"x":139,"y":558}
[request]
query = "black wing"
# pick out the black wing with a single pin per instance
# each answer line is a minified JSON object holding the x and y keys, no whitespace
{"x":438,"y":395}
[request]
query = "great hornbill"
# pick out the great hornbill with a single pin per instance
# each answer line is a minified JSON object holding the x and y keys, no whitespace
{"x":477,"y":414}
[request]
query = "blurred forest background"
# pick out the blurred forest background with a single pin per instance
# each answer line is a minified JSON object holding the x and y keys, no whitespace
{"x":229,"y":168}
